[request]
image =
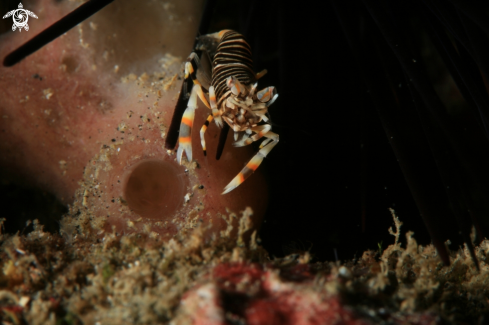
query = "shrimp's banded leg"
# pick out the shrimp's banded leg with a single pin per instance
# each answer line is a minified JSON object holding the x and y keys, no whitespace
{"x":261,"y":74}
{"x":254,"y":163}
{"x":260,"y":132}
{"x":215,"y":112}
{"x":235,"y":86}
{"x":193,"y":69}
{"x":202,"y":132}
{"x":215,"y":115}
{"x":193,"y":59}
{"x":185,"y":136}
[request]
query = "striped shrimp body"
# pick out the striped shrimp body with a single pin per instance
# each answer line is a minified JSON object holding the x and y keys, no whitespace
{"x":231,"y":89}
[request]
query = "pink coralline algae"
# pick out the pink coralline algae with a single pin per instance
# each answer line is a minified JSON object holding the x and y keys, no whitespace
{"x":254,"y":295}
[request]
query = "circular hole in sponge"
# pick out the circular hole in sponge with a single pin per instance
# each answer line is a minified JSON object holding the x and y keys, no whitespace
{"x":155,"y":189}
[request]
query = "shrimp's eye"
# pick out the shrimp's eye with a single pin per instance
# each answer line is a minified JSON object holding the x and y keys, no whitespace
{"x":266,"y":94}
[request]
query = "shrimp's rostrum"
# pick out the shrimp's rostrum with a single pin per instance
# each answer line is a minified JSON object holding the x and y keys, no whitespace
{"x":231,"y":89}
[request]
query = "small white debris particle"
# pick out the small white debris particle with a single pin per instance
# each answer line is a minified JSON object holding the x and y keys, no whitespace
{"x":48,"y":93}
{"x":23,"y":301}
{"x":344,"y":272}
{"x":130,"y":224}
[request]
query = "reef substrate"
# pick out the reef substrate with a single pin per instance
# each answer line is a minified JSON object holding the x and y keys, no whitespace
{"x":80,"y":278}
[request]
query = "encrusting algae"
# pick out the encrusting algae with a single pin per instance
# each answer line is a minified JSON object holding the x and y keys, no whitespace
{"x":82,"y":278}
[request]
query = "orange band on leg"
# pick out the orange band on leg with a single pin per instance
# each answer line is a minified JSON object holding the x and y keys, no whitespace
{"x":187,"y":121}
{"x":184,"y":139}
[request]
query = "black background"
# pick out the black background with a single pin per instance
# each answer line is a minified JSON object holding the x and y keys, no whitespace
{"x":333,"y":175}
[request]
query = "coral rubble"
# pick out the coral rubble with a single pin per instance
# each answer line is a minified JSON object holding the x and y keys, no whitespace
{"x":229,"y":279}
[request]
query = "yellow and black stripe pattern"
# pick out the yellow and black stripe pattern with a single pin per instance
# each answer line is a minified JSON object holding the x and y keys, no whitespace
{"x":230,"y":88}
{"x":232,"y":59}
{"x":202,"y":131}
